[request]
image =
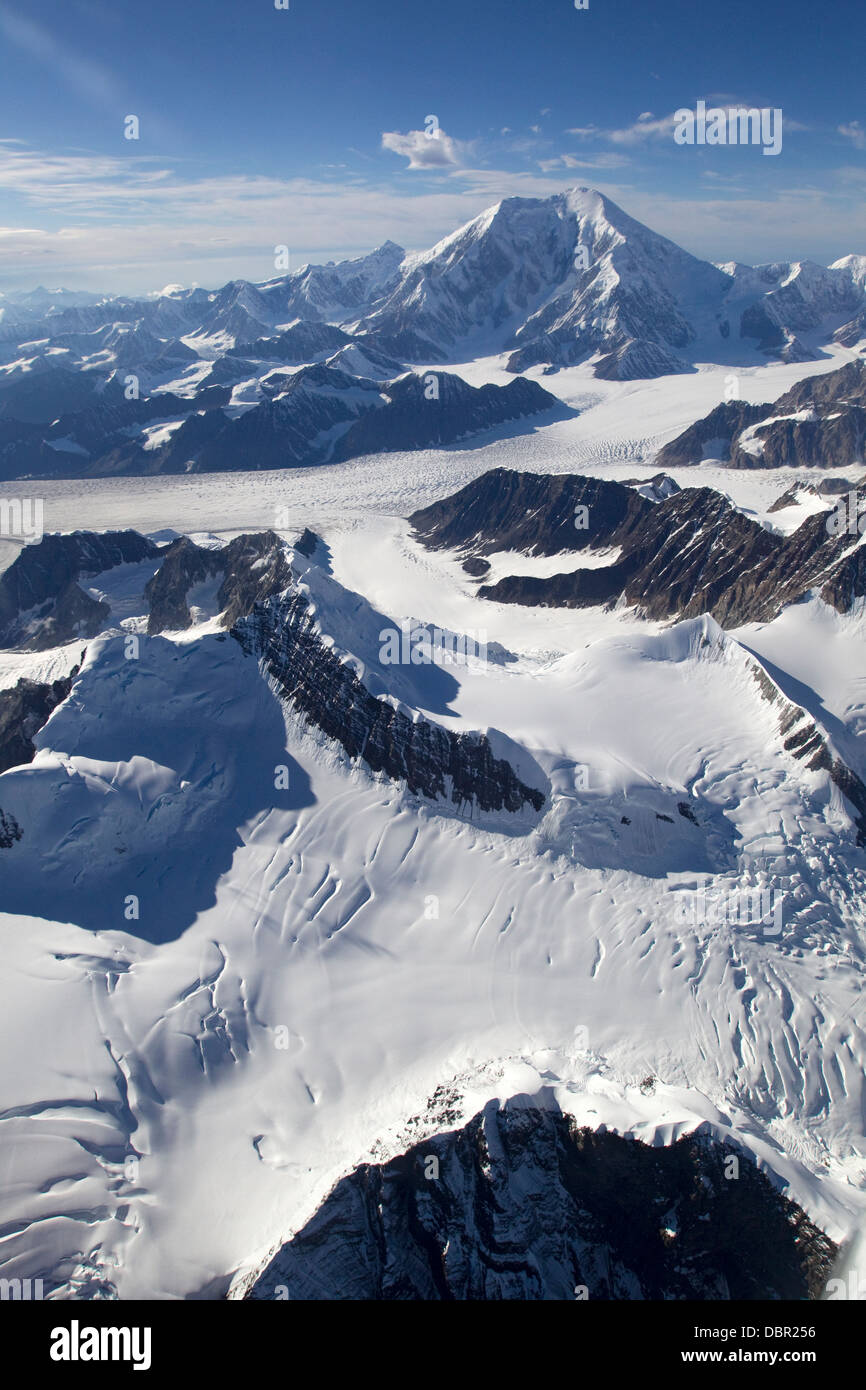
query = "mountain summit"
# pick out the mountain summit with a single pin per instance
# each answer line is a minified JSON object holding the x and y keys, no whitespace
{"x":555,"y":280}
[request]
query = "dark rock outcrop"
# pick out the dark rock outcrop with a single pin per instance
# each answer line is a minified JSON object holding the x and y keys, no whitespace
{"x":252,"y":567}
{"x":24,"y":710}
{"x":826,"y":488}
{"x":532,"y":512}
{"x":184,"y":565}
{"x":433,"y":762}
{"x":41,"y":602}
{"x":806,"y":742}
{"x":656,"y":488}
{"x":637,"y":359}
{"x":831,"y":434}
{"x":302,"y":343}
{"x":852,"y":332}
{"x":720,"y":427}
{"x":308,"y":543}
{"x":322,"y":414}
{"x":523,"y":1204}
{"x":10,"y":830}
{"x":411,"y":420}
{"x":476,"y":567}
{"x":691,"y":553}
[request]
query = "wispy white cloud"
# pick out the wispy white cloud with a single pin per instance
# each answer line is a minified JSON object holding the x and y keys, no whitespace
{"x":611,"y":160}
{"x":598,"y":161}
{"x":644,"y":128}
{"x":648,"y":127}
{"x":131,"y":224}
{"x":84,"y":181}
{"x":435,"y":150}
{"x":854,"y":132}
{"x":87,"y":79}
{"x":92,"y":82}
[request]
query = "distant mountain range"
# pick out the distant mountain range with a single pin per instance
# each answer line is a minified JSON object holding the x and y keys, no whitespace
{"x":314,"y":366}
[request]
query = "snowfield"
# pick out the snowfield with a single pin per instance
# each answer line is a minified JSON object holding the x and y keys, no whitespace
{"x":310,"y":963}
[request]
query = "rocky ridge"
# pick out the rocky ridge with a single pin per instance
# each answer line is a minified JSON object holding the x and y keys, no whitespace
{"x":689,"y":553}
{"x":818,"y":423}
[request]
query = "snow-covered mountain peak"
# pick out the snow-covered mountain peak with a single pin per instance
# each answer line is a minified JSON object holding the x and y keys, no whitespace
{"x":853,"y":265}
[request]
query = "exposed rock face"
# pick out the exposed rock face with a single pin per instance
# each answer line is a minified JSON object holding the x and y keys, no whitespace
{"x":637,"y":359}
{"x":42,"y":605}
{"x":41,"y":602}
{"x":689,"y":557}
{"x":688,"y":554}
{"x":720,"y":427}
{"x":801,"y":300}
{"x":434,"y":762}
{"x":787,"y":499}
{"x":532,"y":512}
{"x":825,"y":490}
{"x":301,"y":343}
{"x":10,"y":830}
{"x":554,"y":279}
{"x":332,"y":291}
{"x":822,"y":442}
{"x":550,"y":281}
{"x":476,"y":567}
{"x":848,"y":383}
{"x":308,"y":543}
{"x":414,"y":421}
{"x":852,"y":332}
{"x":527,"y":1206}
{"x":806,"y":742}
{"x":819,"y":423}
{"x":96,"y":433}
{"x":252,"y":567}
{"x":184,"y":565}
{"x":24,"y":710}
{"x":759,"y":321}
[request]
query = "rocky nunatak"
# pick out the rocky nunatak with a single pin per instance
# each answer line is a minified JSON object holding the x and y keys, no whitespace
{"x":522,"y":1203}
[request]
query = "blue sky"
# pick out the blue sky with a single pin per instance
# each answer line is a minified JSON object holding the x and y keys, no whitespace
{"x":305,"y":127}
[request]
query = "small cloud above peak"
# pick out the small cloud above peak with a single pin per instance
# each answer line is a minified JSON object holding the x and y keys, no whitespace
{"x":425,"y":149}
